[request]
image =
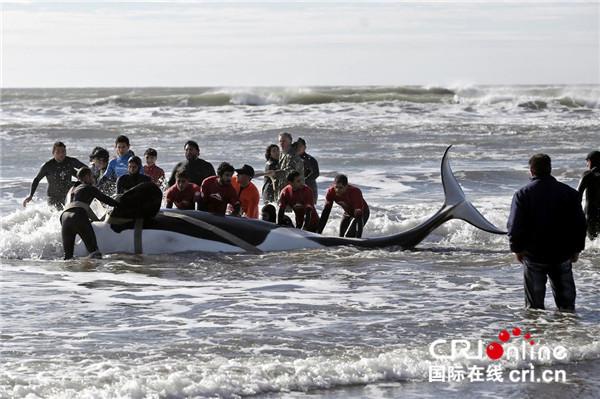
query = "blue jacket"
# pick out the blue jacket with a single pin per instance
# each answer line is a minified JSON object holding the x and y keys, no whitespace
{"x":546,"y":221}
{"x":117,"y":167}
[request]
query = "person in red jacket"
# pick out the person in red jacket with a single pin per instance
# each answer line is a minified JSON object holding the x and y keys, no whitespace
{"x":299,"y":197}
{"x":151,"y":169}
{"x":247,"y":191}
{"x":182,"y":193}
{"x":356,"y":210}
{"x":217,"y":192}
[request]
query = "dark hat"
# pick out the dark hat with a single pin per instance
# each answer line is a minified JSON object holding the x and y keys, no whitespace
{"x":136,"y":160}
{"x":301,"y":141}
{"x":594,"y":158}
{"x":246,"y":170}
{"x":99,"y":153}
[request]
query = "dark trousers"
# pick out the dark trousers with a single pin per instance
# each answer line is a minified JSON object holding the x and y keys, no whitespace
{"x":348,"y":225}
{"x":76,"y":222}
{"x":561,"y":281}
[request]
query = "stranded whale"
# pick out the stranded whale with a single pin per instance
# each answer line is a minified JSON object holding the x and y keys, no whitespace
{"x":172,"y":231}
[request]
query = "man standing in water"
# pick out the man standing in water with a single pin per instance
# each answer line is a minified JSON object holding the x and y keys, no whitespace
{"x":289,"y":161}
{"x":311,"y":167}
{"x":350,"y":198}
{"x":546,"y":228}
{"x":58,"y":172}
{"x":196,"y":168}
{"x":590,"y":184}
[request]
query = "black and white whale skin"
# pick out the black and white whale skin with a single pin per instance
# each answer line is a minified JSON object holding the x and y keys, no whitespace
{"x":175,"y":231}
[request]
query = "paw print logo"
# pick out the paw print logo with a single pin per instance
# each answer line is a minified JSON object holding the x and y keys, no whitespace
{"x":495,"y":350}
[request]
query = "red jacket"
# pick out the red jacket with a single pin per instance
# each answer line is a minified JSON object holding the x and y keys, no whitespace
{"x":214,"y":197}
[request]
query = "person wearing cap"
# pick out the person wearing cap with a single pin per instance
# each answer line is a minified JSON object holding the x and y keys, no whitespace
{"x":99,"y":162}
{"x":247,"y":191}
{"x":133,"y":177}
{"x":182,"y":193}
{"x":590,"y":185}
{"x":196,"y":168}
{"x":299,"y":197}
{"x":151,"y":169}
{"x":311,"y":167}
{"x":216,"y":192}
{"x":58,"y":172}
{"x":118,"y":166}
{"x":350,"y":198}
{"x":546,"y":232}
{"x":75,"y":220}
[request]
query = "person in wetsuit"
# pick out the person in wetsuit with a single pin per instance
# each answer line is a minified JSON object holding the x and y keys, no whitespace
{"x":183,"y":193}
{"x":299,"y":197}
{"x":311,"y":167}
{"x":99,"y":162}
{"x":546,"y":231}
{"x":75,"y":219}
{"x":272,"y":164}
{"x":217,"y":192}
{"x":58,"y":172}
{"x":590,"y":185}
{"x":196,"y":168}
{"x":118,"y":166}
{"x":134,"y":177}
{"x":356,"y":210}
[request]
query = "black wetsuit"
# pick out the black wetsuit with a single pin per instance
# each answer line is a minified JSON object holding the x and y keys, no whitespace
{"x":268,"y":190}
{"x":197,"y":170}
{"x":126,"y":182}
{"x":547,"y":225}
{"x":58,"y":175}
{"x":75,"y":221}
{"x":590,"y":184}
{"x":311,"y":172}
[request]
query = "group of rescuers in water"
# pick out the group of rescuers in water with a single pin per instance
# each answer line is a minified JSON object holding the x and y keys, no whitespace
{"x":546,"y":227}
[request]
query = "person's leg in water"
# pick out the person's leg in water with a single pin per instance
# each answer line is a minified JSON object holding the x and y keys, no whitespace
{"x":344,"y":223}
{"x":563,"y":286}
{"x":355,"y":229}
{"x":77,"y":223}
{"x":535,"y":278}
{"x":68,"y":233}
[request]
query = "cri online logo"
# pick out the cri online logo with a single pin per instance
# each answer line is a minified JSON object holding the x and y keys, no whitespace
{"x":526,"y":349}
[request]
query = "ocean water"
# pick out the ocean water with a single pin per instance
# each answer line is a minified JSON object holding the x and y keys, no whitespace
{"x":335,"y":323}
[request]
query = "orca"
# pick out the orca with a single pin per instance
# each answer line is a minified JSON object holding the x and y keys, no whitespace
{"x":176,"y":231}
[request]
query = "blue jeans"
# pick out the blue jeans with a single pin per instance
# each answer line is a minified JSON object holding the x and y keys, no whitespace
{"x":561,"y":280}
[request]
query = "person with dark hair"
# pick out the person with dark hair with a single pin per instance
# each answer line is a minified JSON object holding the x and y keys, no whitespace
{"x":590,"y":185}
{"x":151,"y":169}
{"x":58,"y":172}
{"x":272,"y":164}
{"x":546,"y":230}
{"x":217,"y":192}
{"x":311,"y":167}
{"x":75,"y":219}
{"x":268,"y":213}
{"x":196,"y":168}
{"x":350,"y":198}
{"x":182,"y":193}
{"x":99,"y":162}
{"x":289,"y":161}
{"x":246,"y":191}
{"x":299,"y":197}
{"x":118,"y":166}
{"x":133,"y":177}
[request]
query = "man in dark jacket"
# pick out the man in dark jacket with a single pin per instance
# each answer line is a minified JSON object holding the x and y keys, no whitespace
{"x":590,"y":184}
{"x":311,"y":167}
{"x":546,"y":228}
{"x":196,"y":168}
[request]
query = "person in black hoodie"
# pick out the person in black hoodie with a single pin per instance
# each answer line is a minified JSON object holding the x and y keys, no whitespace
{"x":196,"y":168}
{"x":133,"y":177}
{"x":590,"y":184}
{"x":311,"y":167}
{"x":546,"y":229}
{"x":75,"y":220}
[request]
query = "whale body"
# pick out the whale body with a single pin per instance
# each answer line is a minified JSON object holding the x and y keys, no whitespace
{"x":175,"y":231}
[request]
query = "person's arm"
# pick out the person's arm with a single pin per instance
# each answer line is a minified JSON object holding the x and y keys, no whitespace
{"x":252,"y":211}
{"x":583,"y":185}
{"x":280,"y":215}
{"x":324,"y":216}
{"x":100,"y":196}
{"x":517,"y":227}
{"x":34,"y":184}
{"x":315,"y":172}
{"x":77,"y":164}
{"x":173,"y":175}
{"x":120,"y":184}
{"x":580,"y":229}
{"x":108,"y":175}
{"x":201,"y":198}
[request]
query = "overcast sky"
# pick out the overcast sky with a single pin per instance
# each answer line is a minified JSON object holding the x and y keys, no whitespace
{"x":274,"y":44}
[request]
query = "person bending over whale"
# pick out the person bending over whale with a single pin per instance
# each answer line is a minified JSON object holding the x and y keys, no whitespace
{"x":58,"y":172}
{"x":299,"y":197}
{"x":356,"y":210}
{"x":182,"y":193}
{"x":75,"y":219}
{"x":217,"y":192}
{"x":590,"y":184}
{"x":133,"y":177}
